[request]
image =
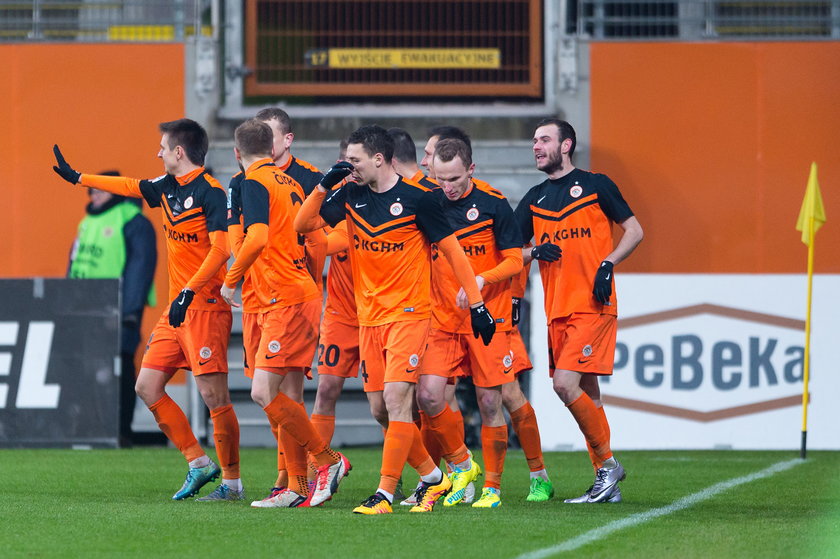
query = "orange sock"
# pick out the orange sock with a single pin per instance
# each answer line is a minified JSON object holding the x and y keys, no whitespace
{"x":282,"y":473}
{"x":450,"y":435}
{"x":174,"y":424}
{"x":418,"y":456}
{"x":429,"y":439}
{"x":597,"y":463}
{"x":525,"y":426}
{"x":459,"y":417}
{"x":325,"y":426}
{"x":292,"y":418}
{"x":589,"y":420}
{"x":398,"y":441}
{"x":295,"y":462}
{"x":226,"y":436}
{"x":494,"y":442}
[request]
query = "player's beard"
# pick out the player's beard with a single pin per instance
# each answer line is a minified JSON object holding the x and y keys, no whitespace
{"x":553,"y":164}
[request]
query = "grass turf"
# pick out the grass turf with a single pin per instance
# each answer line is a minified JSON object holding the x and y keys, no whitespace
{"x":103,"y":503}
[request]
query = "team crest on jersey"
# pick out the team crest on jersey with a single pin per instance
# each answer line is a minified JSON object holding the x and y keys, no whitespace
{"x":472,"y":214}
{"x":205,"y":352}
{"x":188,"y":203}
{"x":576,"y":191}
{"x":507,"y":361}
{"x":414,"y":360}
{"x":273,"y":346}
{"x":396,"y":208}
{"x":587,"y":350}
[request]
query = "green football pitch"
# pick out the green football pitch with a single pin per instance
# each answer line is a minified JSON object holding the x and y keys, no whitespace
{"x":104,"y":503}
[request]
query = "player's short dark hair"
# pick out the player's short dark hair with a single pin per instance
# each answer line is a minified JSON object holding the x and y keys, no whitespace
{"x":447,"y":132}
{"x":448,"y":149}
{"x":188,"y":134}
{"x":374,"y":139}
{"x":254,"y":137}
{"x":405,"y":151}
{"x":342,"y":149}
{"x":282,"y":117}
{"x":567,"y":132}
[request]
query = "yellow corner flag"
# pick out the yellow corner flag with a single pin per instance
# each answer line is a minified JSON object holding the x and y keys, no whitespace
{"x":812,"y":208}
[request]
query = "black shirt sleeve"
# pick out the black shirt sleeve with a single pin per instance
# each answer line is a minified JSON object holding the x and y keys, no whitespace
{"x":235,"y":199}
{"x":153,"y":189}
{"x":255,"y":203}
{"x":523,"y":217}
{"x":505,"y":227}
{"x":610,"y":199}
{"x":215,"y":209}
{"x":431,"y":219}
{"x":332,"y":208}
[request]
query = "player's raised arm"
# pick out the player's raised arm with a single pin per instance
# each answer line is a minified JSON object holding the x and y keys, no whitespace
{"x":115,"y":185}
{"x":308,"y":218}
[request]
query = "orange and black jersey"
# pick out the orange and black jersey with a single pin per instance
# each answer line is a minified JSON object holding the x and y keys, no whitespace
{"x":278,"y":275}
{"x":389,"y":236}
{"x":249,"y":297}
{"x":421,"y":179}
{"x":575,"y":212}
{"x":307,"y":175}
{"x":194,"y":206}
{"x":484,"y":224}
{"x":341,"y":302}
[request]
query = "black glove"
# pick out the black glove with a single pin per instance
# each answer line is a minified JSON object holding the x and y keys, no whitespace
{"x":336,"y":174}
{"x":514,"y":314}
{"x":603,"y":282}
{"x":546,"y":252}
{"x":64,"y":170}
{"x":178,"y":308}
{"x":483,"y":323}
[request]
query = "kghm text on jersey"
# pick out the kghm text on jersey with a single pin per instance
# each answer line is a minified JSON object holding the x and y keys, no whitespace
{"x":563,"y":234}
{"x":377,"y":246}
{"x":179,"y":236}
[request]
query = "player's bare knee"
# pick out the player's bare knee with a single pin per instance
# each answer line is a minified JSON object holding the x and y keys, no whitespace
{"x":260,"y":395}
{"x":512,"y":396}
{"x":430,"y":401}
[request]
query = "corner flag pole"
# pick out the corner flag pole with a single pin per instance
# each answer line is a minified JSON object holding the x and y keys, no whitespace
{"x":807,"y":364}
{"x":811,"y":218}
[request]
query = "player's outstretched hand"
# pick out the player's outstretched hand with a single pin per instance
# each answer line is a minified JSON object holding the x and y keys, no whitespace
{"x":63,"y":169}
{"x":483,"y":323}
{"x":514,"y":313}
{"x":336,"y":174}
{"x":178,"y":308}
{"x":546,"y":252}
{"x":228,"y":295}
{"x":603,"y":282}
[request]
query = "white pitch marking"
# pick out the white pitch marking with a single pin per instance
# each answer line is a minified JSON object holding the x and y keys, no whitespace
{"x":642,"y":517}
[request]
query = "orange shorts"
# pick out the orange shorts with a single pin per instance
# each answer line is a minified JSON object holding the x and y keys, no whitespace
{"x":250,"y":341}
{"x":521,"y":362}
{"x":199,"y":344}
{"x":338,"y":349}
{"x":582,"y":342}
{"x":392,"y":352}
{"x":288,"y":337}
{"x":449,"y":355}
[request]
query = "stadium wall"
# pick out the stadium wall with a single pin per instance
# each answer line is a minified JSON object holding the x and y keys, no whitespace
{"x":101,"y":103}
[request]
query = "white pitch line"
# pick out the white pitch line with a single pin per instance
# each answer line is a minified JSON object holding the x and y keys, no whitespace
{"x":642,"y":517}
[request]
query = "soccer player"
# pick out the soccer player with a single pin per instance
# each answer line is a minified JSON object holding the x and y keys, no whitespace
{"x":289,"y":305}
{"x":338,"y":346}
{"x":484,"y":225}
{"x":570,"y":217}
{"x":193,"y":332}
{"x":523,"y":418}
{"x":391,"y":224}
{"x":405,"y":158}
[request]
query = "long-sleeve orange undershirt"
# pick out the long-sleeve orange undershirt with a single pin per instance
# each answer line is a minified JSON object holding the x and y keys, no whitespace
{"x":216,"y":257}
{"x":510,"y":265}
{"x":451,"y":249}
{"x":252,"y":246}
{"x":236,"y":236}
{"x":307,"y":219}
{"x":122,"y":186}
{"x":337,"y":240}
